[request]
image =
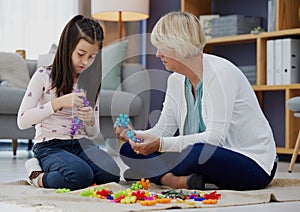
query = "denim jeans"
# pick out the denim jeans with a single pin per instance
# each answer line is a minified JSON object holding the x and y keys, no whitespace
{"x":75,"y":164}
{"x":224,"y":168}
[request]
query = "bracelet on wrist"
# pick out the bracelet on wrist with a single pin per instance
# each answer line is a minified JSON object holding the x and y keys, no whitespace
{"x":160,"y":144}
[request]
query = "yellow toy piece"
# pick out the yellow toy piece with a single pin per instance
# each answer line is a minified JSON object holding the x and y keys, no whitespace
{"x":191,"y":203}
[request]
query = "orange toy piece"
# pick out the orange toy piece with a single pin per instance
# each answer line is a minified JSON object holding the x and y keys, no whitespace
{"x":145,"y":183}
{"x":210,"y":201}
{"x":148,"y":202}
{"x":163,"y":200}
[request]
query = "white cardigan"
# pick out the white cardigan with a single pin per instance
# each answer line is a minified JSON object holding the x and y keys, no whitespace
{"x":231,"y":113}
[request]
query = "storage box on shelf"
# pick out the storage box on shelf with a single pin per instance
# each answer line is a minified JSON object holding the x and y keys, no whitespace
{"x":233,"y":25}
{"x":287,"y":25}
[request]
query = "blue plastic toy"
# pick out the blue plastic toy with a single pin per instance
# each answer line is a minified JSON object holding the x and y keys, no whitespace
{"x":124,"y":120}
{"x":131,"y":136}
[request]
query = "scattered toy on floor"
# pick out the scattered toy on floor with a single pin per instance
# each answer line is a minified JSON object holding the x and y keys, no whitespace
{"x":139,"y":193}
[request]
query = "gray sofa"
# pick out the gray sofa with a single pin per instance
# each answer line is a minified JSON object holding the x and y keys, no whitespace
{"x":133,"y":98}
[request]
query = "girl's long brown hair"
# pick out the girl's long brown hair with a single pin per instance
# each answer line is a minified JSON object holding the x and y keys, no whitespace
{"x":79,"y":27}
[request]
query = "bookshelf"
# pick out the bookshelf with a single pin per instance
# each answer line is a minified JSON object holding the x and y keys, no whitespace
{"x":287,"y":24}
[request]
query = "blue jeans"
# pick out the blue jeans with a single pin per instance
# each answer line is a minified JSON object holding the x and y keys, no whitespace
{"x":224,"y":168}
{"x":75,"y":164}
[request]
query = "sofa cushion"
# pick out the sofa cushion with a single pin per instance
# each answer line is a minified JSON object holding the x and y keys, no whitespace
{"x":13,"y":69}
{"x":112,"y":103}
{"x":10,"y":99}
{"x":32,"y":66}
{"x":112,"y":58}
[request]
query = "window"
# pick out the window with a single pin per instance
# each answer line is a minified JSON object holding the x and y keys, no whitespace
{"x":33,"y":25}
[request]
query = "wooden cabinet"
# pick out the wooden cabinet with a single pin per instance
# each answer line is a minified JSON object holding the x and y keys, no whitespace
{"x":285,"y":126}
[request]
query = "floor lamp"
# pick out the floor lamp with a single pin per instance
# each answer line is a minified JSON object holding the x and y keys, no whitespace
{"x":120,"y":11}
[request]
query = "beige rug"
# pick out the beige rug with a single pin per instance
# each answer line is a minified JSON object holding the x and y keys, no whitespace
{"x":20,"y":193}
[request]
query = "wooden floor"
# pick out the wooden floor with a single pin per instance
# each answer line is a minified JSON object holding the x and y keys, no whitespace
{"x":12,"y":169}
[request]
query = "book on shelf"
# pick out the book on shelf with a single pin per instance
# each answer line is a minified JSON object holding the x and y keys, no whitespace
{"x":271,"y":15}
{"x":270,"y":62}
{"x":290,"y":61}
{"x":283,"y":61}
{"x":205,"y":21}
{"x":278,"y":62}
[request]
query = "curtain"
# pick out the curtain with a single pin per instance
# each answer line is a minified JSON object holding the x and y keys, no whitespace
{"x":33,"y":25}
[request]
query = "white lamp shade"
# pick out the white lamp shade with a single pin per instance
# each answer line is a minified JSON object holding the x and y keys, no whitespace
{"x":108,"y":10}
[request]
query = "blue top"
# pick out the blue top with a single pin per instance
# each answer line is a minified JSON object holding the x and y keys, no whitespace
{"x":194,"y":121}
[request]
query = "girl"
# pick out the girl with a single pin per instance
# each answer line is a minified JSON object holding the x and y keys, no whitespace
{"x":66,"y":158}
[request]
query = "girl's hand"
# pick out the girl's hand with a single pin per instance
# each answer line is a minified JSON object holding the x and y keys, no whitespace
{"x":150,"y":144}
{"x":71,"y":100}
{"x":86,"y":114}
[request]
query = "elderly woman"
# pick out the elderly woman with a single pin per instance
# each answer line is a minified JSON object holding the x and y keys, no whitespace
{"x":224,"y":138}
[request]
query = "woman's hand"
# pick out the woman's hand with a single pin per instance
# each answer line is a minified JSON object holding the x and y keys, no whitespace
{"x":71,"y":100}
{"x":121,"y":133}
{"x":150,"y":144}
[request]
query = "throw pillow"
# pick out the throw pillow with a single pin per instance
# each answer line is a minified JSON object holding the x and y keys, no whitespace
{"x":47,"y":59}
{"x":14,"y":70}
{"x":112,"y":58}
{"x":53,"y":48}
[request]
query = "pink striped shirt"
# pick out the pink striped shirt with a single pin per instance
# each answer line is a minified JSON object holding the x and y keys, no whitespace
{"x":36,"y":110}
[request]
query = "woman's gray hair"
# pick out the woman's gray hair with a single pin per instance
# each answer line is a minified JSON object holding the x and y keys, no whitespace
{"x":179,"y":31}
